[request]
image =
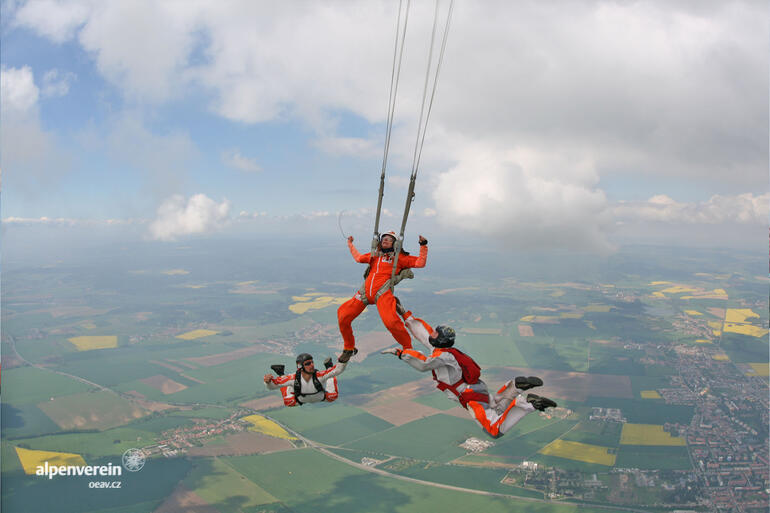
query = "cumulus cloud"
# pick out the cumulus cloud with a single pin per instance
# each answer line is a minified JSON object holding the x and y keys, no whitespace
{"x":542,"y":103}
{"x":56,"y":20}
{"x":233,"y":158}
{"x":197,"y":215}
{"x":519,"y":198}
{"x":742,"y":208}
{"x":31,"y":158}
{"x":57,"y":83}
{"x":18,"y":92}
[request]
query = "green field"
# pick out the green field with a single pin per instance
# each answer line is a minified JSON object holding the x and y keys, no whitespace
{"x":433,"y":438}
{"x":344,"y":489}
{"x":30,"y":385}
{"x":606,"y":434}
{"x":219,"y":484}
{"x":314,"y":415}
{"x":438,"y":400}
{"x":644,"y":457}
{"x":645,"y":411}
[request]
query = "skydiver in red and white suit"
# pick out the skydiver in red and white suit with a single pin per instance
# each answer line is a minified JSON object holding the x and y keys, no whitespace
{"x":497,"y":413}
{"x":306,"y":385}
{"x":380,"y":270}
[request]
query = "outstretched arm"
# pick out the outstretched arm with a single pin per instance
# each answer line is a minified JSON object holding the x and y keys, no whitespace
{"x":331,"y":372}
{"x":416,"y":359}
{"x":358,"y":257}
{"x":274,"y":383}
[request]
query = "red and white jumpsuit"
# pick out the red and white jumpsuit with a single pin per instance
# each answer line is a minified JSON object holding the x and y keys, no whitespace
{"x":379,"y":273}
{"x":327,"y":377}
{"x":480,"y":404}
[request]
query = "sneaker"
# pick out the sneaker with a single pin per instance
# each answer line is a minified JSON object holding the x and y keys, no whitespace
{"x":346,"y":354}
{"x":328,"y":363}
{"x":400,"y":310}
{"x":540,"y":403}
{"x":525,"y":383}
{"x":278,"y":369}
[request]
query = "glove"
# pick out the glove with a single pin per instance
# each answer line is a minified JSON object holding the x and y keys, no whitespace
{"x":392,"y":350}
{"x":423,"y":241}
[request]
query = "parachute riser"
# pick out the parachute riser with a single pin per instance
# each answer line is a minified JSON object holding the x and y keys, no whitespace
{"x":400,"y":242}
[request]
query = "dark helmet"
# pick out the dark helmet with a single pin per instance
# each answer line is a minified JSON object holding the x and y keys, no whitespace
{"x":445,"y":338}
{"x":302,"y":358}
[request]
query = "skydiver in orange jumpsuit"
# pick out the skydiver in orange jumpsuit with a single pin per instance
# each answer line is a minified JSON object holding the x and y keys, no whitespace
{"x":380,"y":269}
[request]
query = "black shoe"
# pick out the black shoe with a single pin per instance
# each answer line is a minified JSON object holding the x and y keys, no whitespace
{"x":278,"y":369}
{"x":525,"y":383}
{"x":346,"y":354}
{"x":328,"y":363}
{"x":400,"y":310}
{"x":540,"y":403}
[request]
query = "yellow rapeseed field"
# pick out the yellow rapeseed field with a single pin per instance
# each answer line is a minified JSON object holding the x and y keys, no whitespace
{"x":739,"y":315}
{"x":692,"y":312}
{"x":314,"y":301}
{"x":580,"y":452}
{"x":678,"y":289}
{"x":571,"y":315}
{"x":647,"y":434}
{"x":658,"y":294}
{"x":650,"y":394}
{"x":267,"y":426}
{"x":720,"y":357}
{"x":703,"y":341}
{"x":745,"y":329}
{"x":31,"y":459}
{"x":87,"y":343}
{"x":660,"y":283}
{"x":760,"y":369}
{"x":190,"y":335}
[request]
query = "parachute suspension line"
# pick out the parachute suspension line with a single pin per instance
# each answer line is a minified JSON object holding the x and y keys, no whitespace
{"x":422,"y":128}
{"x":435,"y":80}
{"x":395,"y":73}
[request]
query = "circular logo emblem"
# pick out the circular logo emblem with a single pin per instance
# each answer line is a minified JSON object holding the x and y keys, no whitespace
{"x":133,"y":460}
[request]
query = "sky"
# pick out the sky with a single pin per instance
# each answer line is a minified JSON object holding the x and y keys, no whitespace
{"x":576,"y":125}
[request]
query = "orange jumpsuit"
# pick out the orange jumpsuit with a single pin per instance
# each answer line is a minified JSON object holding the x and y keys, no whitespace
{"x":379,"y":274}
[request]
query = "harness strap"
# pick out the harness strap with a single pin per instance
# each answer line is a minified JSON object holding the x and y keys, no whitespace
{"x":405,"y":274}
{"x":298,"y":386}
{"x":466,"y":395}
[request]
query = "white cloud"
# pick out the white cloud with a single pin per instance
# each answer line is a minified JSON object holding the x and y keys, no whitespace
{"x":199,"y":214}
{"x":56,"y":20}
{"x":429,"y":212}
{"x":68,"y":221}
{"x":536,"y":102}
{"x":57,"y":83}
{"x":518,"y":198}
{"x":30,"y":156}
{"x":233,"y":158}
{"x":350,"y":146}
{"x":18,"y":92}
{"x":742,"y":208}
